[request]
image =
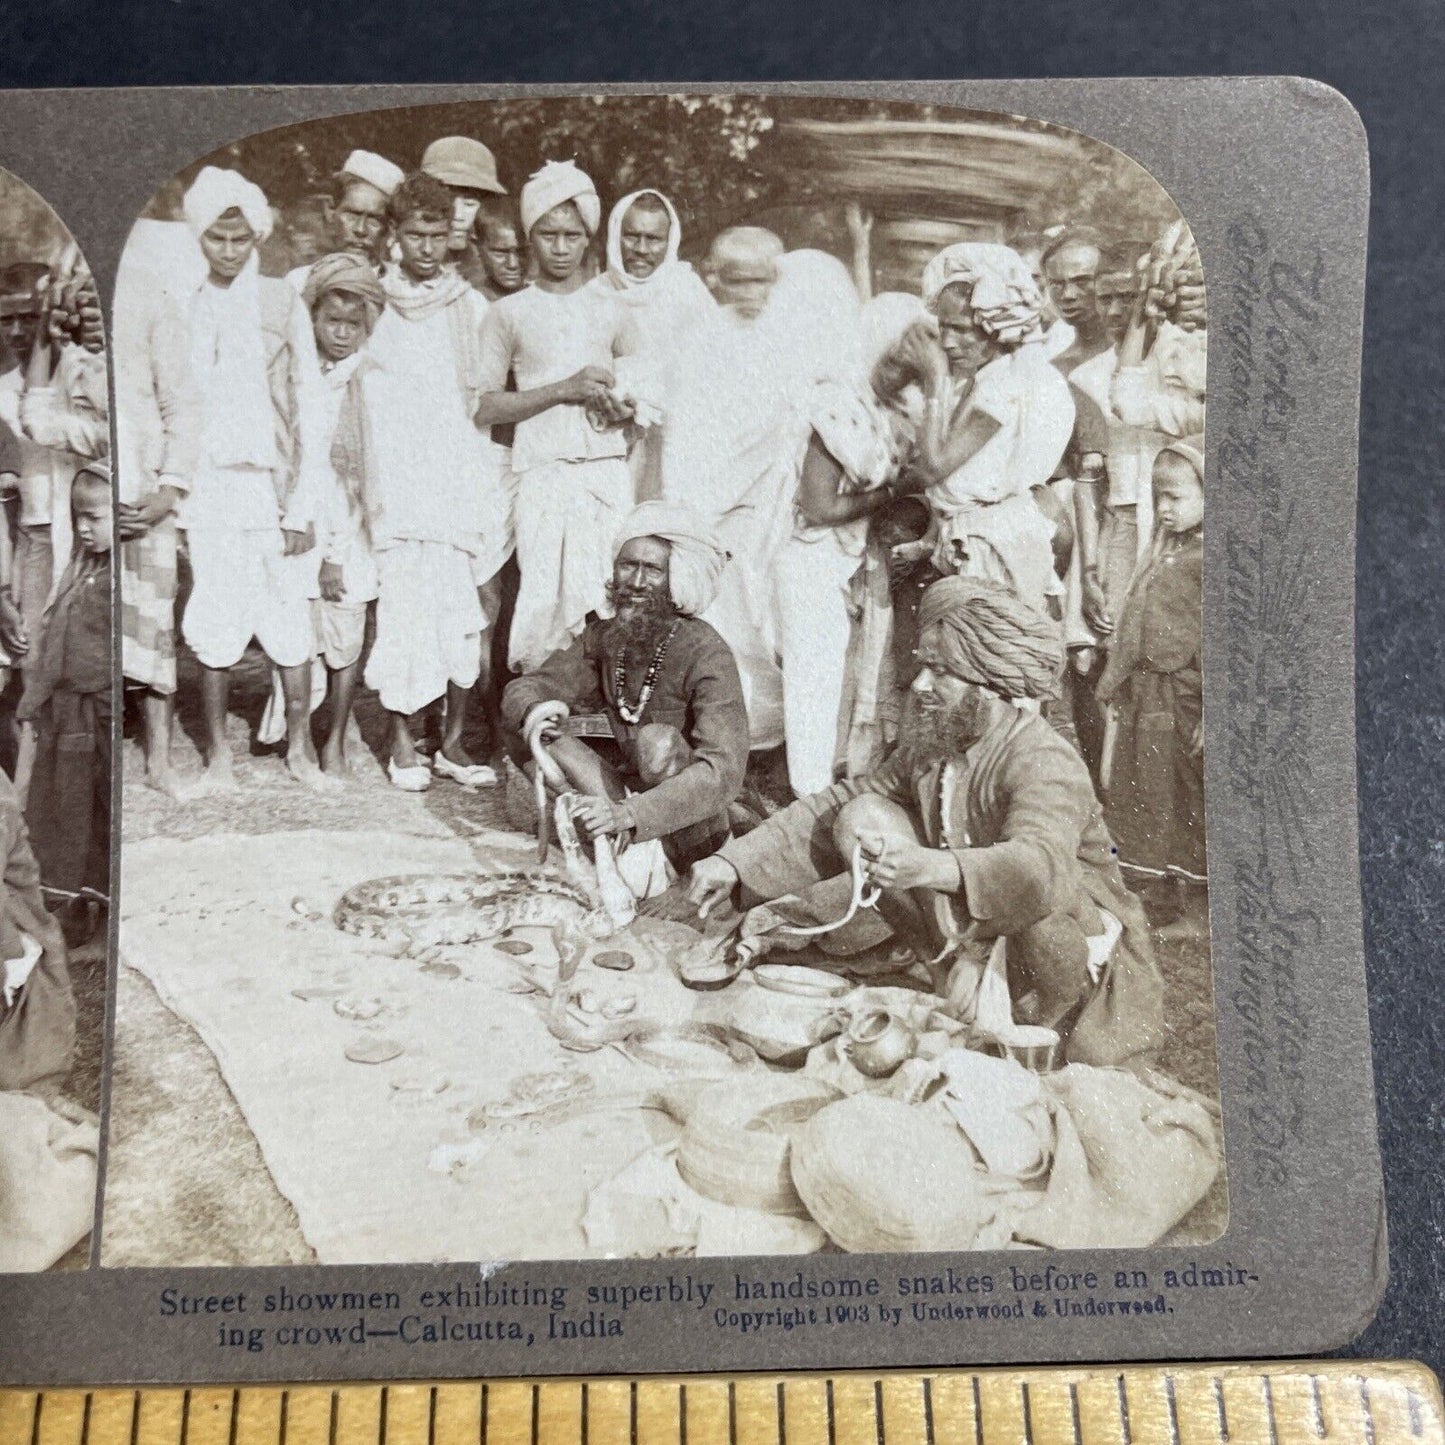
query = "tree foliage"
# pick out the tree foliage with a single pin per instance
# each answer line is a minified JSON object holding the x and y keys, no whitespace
{"x":718,"y":157}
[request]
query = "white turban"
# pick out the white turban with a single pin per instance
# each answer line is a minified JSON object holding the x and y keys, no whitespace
{"x":555,"y":184}
{"x":697,"y":558}
{"x":1006,"y":300}
{"x":216,"y":191}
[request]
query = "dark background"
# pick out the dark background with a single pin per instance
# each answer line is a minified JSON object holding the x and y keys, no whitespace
{"x":1386,"y":58}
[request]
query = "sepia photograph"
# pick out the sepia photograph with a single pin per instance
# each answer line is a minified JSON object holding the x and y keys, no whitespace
{"x":663,"y":697}
{"x":56,"y":720}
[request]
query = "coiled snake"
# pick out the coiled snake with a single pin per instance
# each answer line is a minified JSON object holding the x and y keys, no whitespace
{"x":427,"y":910}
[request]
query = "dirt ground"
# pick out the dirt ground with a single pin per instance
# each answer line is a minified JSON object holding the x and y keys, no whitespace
{"x":186,"y":1179}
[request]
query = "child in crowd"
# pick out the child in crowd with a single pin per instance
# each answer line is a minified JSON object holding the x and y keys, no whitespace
{"x":246,"y":519}
{"x":344,"y":299}
{"x":1154,"y":801}
{"x":407,"y":450}
{"x":68,"y":700}
{"x":502,"y":248}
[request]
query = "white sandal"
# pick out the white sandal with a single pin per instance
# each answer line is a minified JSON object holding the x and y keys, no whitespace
{"x":415,"y":779}
{"x":472,"y":776}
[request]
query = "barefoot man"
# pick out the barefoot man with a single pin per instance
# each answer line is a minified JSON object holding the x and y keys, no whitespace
{"x":245,"y":518}
{"x":981,"y":825}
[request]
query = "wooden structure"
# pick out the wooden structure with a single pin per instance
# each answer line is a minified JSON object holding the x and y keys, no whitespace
{"x":924,"y":184}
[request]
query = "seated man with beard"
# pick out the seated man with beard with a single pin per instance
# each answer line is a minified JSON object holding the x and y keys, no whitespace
{"x":669,"y":689}
{"x":982,"y":824}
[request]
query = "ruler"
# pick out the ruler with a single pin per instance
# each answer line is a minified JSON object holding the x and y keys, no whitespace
{"x":1273,"y":1404}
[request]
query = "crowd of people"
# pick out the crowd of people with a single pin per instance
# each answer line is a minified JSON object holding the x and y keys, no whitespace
{"x":649,"y":521}
{"x":56,"y":684}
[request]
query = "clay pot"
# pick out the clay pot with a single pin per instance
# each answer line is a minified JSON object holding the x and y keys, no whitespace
{"x":878,"y":1041}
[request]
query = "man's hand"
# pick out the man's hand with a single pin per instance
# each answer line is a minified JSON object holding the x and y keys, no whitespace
{"x":136,"y":518}
{"x":296,"y":543}
{"x":13,"y":636}
{"x":1095,"y":607}
{"x":900,"y":863}
{"x":601,"y":817}
{"x":1190,"y":311}
{"x":710,"y":884}
{"x":1196,"y":740}
{"x":333,"y":588}
{"x":589,"y":385}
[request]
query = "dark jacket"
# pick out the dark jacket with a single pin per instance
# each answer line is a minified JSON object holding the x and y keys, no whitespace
{"x":697,"y":692}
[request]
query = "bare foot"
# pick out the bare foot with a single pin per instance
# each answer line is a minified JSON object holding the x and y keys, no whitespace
{"x":165,"y":780}
{"x":305,"y":772}
{"x":93,"y":950}
{"x":333,"y":759}
{"x":217,"y":777}
{"x":1192,"y":925}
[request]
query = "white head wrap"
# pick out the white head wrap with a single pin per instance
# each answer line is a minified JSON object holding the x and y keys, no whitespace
{"x":215,"y":191}
{"x":555,"y":184}
{"x":621,"y":278}
{"x":375,"y":170}
{"x":1006,"y":300}
{"x":697,"y":558}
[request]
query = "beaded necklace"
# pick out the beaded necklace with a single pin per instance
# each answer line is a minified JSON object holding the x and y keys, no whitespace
{"x":631,"y":713}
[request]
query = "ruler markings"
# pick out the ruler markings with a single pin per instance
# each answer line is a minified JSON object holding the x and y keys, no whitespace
{"x":60,"y":1421}
{"x":1133,"y":1405}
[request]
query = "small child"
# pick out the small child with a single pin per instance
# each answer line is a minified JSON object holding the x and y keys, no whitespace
{"x":344,"y":299}
{"x":68,"y":699}
{"x":1154,"y":771}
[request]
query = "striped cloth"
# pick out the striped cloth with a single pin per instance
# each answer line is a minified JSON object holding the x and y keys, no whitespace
{"x":148,"y":608}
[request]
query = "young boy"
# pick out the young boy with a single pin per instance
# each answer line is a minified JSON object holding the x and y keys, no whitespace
{"x":502,"y":248}
{"x":68,"y":700}
{"x":408,"y":451}
{"x":344,"y":299}
{"x":247,"y":529}
{"x":469,"y":172}
{"x":560,"y":339}
{"x":1154,"y":803}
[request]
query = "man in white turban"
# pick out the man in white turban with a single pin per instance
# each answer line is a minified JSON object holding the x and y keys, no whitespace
{"x":561,"y":339}
{"x":668,"y":687}
{"x":250,"y":526}
{"x":356,"y":209}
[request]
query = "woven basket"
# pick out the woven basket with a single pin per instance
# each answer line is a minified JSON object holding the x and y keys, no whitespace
{"x":881,"y":1175}
{"x":739,"y":1135}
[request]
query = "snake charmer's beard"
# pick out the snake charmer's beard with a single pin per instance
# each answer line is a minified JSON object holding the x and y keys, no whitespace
{"x":933,"y":733}
{"x":642,"y":617}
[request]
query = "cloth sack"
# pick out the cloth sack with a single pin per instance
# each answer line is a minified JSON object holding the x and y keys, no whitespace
{"x":47,"y":1183}
{"x":1130,"y":1160}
